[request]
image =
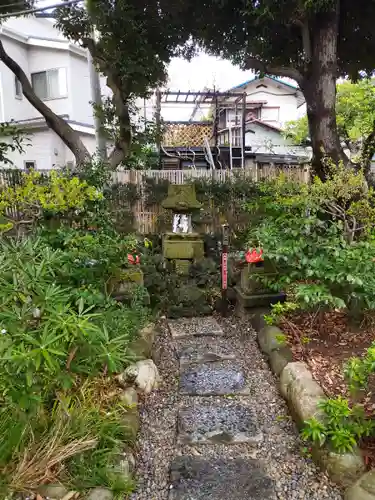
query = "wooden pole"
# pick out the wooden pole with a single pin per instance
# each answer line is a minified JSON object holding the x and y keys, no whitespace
{"x":158,"y":123}
{"x":224,"y":269}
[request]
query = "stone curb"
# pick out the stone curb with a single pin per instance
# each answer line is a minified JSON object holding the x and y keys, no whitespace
{"x":302,"y":393}
{"x":141,"y":348}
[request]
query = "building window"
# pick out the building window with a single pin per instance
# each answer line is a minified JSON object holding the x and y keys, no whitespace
{"x":17,"y":88}
{"x":236,"y":137}
{"x":29,"y":165}
{"x":270,"y":114}
{"x":234,"y":117}
{"x":50,"y":84}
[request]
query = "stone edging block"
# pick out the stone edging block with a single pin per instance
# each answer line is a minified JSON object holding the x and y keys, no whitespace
{"x":272,"y":342}
{"x":141,"y":347}
{"x":302,"y":393}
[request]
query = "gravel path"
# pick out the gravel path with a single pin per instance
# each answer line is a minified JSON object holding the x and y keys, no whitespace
{"x":287,"y":471}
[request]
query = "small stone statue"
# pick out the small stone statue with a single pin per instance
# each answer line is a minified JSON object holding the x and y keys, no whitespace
{"x":176,"y":223}
{"x":184,"y":224}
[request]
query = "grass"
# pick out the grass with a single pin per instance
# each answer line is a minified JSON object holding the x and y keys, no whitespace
{"x":79,"y":444}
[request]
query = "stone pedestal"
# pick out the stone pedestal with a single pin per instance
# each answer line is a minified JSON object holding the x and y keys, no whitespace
{"x":122,"y":285}
{"x":183,"y":249}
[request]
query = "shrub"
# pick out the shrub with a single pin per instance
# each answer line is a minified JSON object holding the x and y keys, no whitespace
{"x":320,"y":239}
{"x":48,"y":336}
{"x":35,"y":197}
{"x":341,"y":427}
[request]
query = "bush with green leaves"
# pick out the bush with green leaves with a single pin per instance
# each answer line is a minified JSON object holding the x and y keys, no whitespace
{"x":340,"y":426}
{"x":90,"y":258}
{"x":358,"y":370}
{"x":320,"y":237}
{"x":49,"y":335}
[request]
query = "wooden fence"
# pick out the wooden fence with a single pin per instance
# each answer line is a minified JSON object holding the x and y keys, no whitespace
{"x":145,"y":217}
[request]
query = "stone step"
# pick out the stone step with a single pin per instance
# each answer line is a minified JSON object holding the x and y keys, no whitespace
{"x":194,"y":478}
{"x":218,"y":422}
{"x":193,"y":327}
{"x":213,"y":379}
{"x":205,"y":350}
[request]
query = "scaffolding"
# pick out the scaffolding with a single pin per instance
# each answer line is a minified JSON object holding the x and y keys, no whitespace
{"x":218,"y":103}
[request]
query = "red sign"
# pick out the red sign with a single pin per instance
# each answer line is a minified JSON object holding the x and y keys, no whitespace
{"x":224,"y":271}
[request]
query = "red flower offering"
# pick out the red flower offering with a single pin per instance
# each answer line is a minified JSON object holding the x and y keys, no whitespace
{"x":253,"y":257}
{"x":133,"y":259}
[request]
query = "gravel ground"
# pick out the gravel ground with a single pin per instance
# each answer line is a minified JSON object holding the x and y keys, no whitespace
{"x":281,"y":450}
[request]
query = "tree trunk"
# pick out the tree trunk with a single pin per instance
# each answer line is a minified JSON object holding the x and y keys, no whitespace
{"x":319,"y":88}
{"x":69,"y":136}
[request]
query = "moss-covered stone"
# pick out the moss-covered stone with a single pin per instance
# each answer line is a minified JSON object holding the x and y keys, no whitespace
{"x":279,"y":358}
{"x":271,"y":338}
{"x":343,"y":468}
{"x":249,"y":301}
{"x":363,"y":489}
{"x":131,"y":421}
{"x":100,"y":494}
{"x":141,"y":347}
{"x":183,"y":246}
{"x":249,"y":282}
{"x":301,"y":392}
{"x":181,"y":198}
{"x":56,"y":491}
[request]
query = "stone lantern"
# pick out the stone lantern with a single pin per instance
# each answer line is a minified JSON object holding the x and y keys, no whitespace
{"x":182,"y":244}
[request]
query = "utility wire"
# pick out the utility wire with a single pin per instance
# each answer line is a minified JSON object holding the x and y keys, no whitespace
{"x":39,"y":9}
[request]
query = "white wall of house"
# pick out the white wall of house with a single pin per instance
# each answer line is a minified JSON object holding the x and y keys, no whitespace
{"x":268,"y":141}
{"x":281,"y":106}
{"x":12,"y":107}
{"x":46,"y":60}
{"x":66,"y":68}
{"x":80,"y":90}
{"x":63,"y":78}
{"x":43,"y":28}
{"x":46,"y":150}
{"x":90,"y":143}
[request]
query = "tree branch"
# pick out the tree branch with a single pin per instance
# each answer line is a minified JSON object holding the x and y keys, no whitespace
{"x":69,"y":136}
{"x":120,"y":100}
{"x":306,"y":40}
{"x":368,"y":150}
{"x":284,"y":71}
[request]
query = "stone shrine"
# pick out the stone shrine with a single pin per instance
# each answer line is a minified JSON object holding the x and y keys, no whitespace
{"x":252,"y":293}
{"x":182,"y":245}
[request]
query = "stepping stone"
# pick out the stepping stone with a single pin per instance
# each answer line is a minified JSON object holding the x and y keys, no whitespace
{"x":209,"y":379}
{"x":194,"y":327}
{"x":205,"y":351}
{"x":225,"y":422}
{"x":194,"y":478}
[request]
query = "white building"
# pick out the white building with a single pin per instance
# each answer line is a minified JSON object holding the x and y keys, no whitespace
{"x":270,"y":104}
{"x":248,"y":126}
{"x":59,"y":73}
